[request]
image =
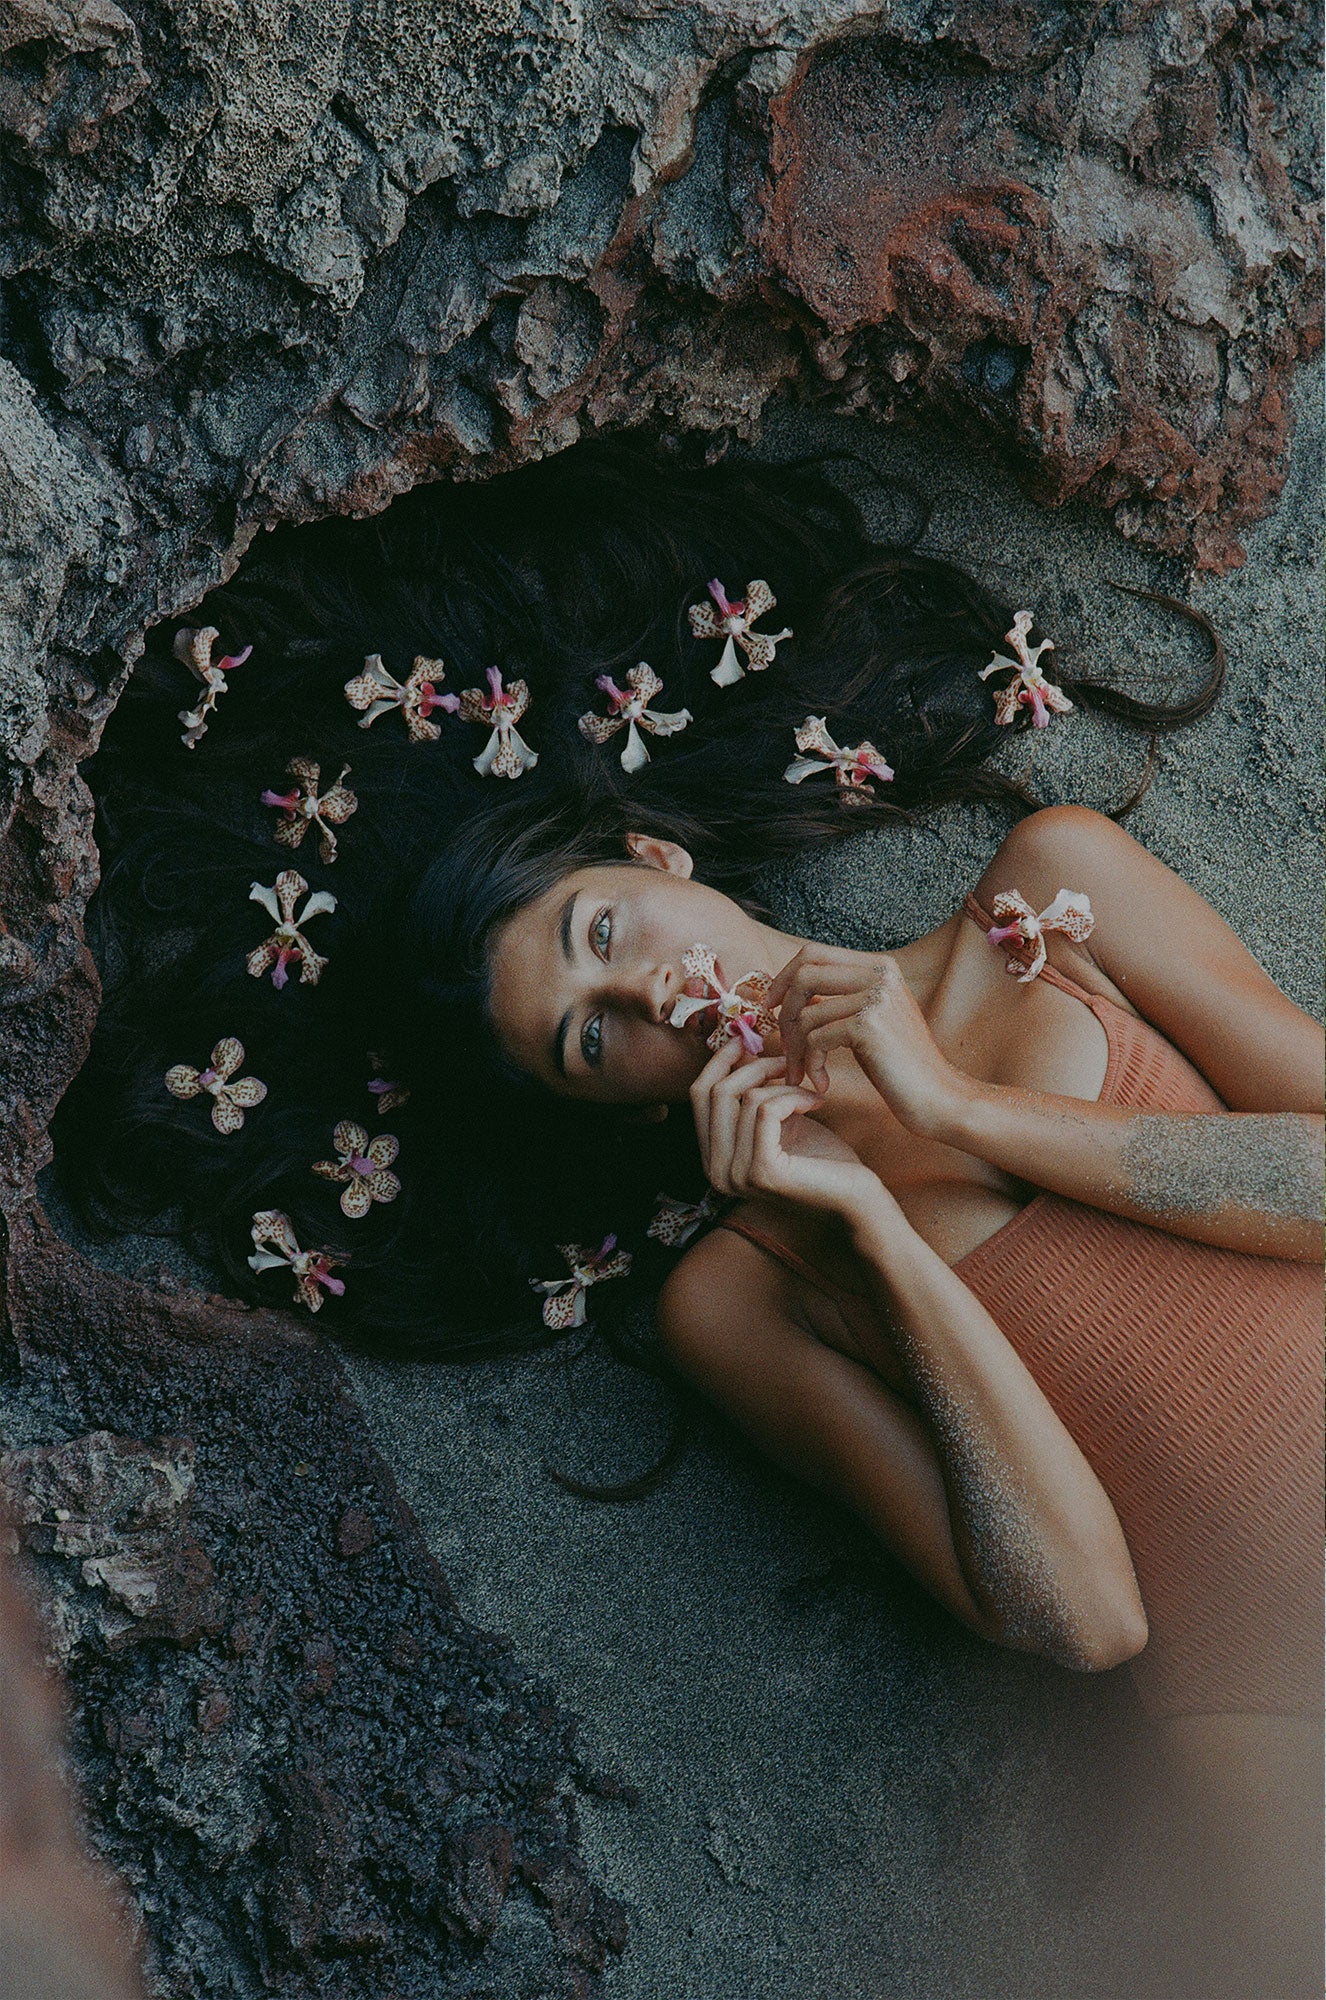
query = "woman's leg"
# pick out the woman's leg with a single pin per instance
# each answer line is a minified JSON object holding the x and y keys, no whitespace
{"x":1251,"y":1788}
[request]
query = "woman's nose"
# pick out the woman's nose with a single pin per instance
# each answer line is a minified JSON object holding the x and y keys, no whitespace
{"x":654,"y":988}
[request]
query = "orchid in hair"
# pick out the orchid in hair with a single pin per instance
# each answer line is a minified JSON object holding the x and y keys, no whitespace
{"x":288,"y":942}
{"x":675,"y":1222}
{"x":193,"y":645}
{"x":1029,"y":687}
{"x":1020,"y":927}
{"x":362,"y":1163}
{"x":378,"y":691}
{"x":852,"y":769}
{"x":302,"y":806}
{"x":629,"y":707}
{"x":229,"y":1100}
{"x":564,"y":1298}
{"x":311,"y":1267}
{"x":388,"y":1095}
{"x":506,"y":754}
{"x":740,"y":1007}
{"x":730,"y":619}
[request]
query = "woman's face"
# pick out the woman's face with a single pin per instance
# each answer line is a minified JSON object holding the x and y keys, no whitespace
{"x":583,"y":980}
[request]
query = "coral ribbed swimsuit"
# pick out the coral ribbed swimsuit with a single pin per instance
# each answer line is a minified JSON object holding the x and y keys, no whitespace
{"x":1191,"y":1379}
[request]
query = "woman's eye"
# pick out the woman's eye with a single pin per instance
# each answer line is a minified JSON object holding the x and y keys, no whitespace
{"x":600,"y":932}
{"x":591,"y":1039}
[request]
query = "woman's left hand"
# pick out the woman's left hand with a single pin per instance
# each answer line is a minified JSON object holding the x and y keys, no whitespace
{"x":830,"y":998}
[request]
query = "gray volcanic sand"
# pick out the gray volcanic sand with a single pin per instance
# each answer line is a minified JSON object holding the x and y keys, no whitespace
{"x":845,"y":1796}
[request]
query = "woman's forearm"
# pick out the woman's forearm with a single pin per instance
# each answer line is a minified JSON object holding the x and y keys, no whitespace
{"x":1034,"y":1531}
{"x":1244,"y":1180}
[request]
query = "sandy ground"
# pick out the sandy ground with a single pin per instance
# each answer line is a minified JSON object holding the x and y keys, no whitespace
{"x":843,"y":1795}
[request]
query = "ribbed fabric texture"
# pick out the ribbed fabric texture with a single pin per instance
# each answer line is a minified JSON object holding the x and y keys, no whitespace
{"x":1191,"y":1379}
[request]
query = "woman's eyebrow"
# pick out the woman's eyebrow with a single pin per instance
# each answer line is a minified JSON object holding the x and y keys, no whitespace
{"x":568,"y":913}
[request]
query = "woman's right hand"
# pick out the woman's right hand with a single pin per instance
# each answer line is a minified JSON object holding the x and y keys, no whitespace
{"x":756,"y":1140}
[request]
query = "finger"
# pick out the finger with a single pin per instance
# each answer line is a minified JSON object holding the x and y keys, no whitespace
{"x":725,"y":1108}
{"x":751,"y":1106}
{"x":833,"y":1032}
{"x":816,"y":963}
{"x":767,"y":1172}
{"x":818,"y":982}
{"x":812,"y":1015}
{"x":724,"y":1059}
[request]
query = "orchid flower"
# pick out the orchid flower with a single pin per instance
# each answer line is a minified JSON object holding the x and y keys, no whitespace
{"x":288,"y":940}
{"x":378,"y":691}
{"x":506,"y":754}
{"x":631,"y":706}
{"x":852,"y":769}
{"x":363,"y":1163}
{"x":194,"y":647}
{"x":229,"y":1100}
{"x":311,"y":1267}
{"x":1020,"y":927}
{"x":677,"y":1221}
{"x":1029,"y":688}
{"x":388,"y":1095}
{"x":731,"y":620}
{"x":303,"y":806}
{"x":741,"y":1008}
{"x":564,"y":1300}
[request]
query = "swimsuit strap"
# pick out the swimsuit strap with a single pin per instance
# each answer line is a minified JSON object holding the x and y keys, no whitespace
{"x":784,"y":1254}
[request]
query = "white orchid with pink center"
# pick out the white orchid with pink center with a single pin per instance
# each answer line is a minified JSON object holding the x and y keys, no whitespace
{"x":287,"y":941}
{"x":853,"y":769}
{"x":363,"y":1164}
{"x":1024,"y":929}
{"x":740,"y":1008}
{"x":675,"y":1222}
{"x":193,"y":645}
{"x":1029,"y":687}
{"x":311,"y":1268}
{"x":630,"y":707}
{"x":304,"y":808}
{"x":506,"y":754}
{"x":388,"y":1093}
{"x":229,"y":1100}
{"x":564,"y":1298}
{"x":730,"y":619}
{"x":378,"y":691}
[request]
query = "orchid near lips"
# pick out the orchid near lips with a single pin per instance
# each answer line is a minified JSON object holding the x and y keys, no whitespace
{"x":741,"y":1009}
{"x":194,"y":647}
{"x":730,"y":619}
{"x":852,"y":769}
{"x":506,"y":754}
{"x":303,"y":806}
{"x":229,"y":1100}
{"x":311,"y":1267}
{"x":1029,"y":687}
{"x":378,"y":691}
{"x":1022,"y":928}
{"x":675,"y":1222}
{"x":629,"y":707}
{"x":564,"y":1301}
{"x":288,"y":941}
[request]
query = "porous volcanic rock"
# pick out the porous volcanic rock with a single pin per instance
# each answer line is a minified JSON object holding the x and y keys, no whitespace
{"x":265,"y":263}
{"x":313,"y":1775}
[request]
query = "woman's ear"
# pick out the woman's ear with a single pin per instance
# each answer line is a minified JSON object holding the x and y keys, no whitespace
{"x":657,"y":853}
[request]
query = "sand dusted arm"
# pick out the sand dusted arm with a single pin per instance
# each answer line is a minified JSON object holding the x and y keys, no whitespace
{"x":971,"y":1478}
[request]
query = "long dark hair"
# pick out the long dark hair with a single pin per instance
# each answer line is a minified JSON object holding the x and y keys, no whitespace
{"x":557,"y":573}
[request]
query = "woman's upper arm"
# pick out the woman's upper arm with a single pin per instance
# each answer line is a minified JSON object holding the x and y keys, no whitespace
{"x":1168,"y":952}
{"x":725,"y":1319}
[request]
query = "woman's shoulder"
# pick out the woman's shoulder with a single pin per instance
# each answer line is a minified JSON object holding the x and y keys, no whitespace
{"x":1043,"y":852}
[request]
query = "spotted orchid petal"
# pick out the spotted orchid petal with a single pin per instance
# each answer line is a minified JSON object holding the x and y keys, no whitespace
{"x":731,"y":620}
{"x":1018,"y":926}
{"x":564,"y":1298}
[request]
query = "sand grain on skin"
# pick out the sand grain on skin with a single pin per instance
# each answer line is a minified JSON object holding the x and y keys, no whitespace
{"x":1265,"y":1163}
